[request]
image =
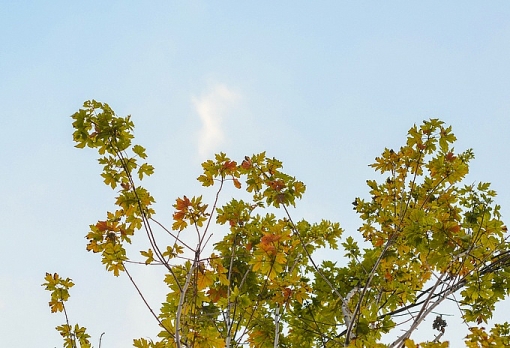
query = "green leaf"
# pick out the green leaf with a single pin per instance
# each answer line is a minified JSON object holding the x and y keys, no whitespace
{"x":140,"y":151}
{"x":149,"y":255}
{"x":145,"y":169}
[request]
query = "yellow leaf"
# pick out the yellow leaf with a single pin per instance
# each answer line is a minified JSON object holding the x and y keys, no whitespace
{"x":205,"y":279}
{"x":280,"y":258}
{"x":410,"y":343}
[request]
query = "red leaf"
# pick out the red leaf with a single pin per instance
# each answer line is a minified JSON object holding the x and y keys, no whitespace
{"x":229,"y":166}
{"x":102,"y":226}
{"x":450,"y":157}
{"x":182,"y":204}
{"x":246,"y":163}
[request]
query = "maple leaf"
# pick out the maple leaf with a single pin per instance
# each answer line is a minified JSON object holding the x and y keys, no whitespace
{"x":270,"y":238}
{"x":102,"y":226}
{"x":450,"y":157}
{"x":179,"y":225}
{"x":149,"y":255}
{"x":216,"y":294}
{"x":205,"y":279}
{"x":246,"y":164}
{"x":229,"y":166}
{"x":182,"y":203}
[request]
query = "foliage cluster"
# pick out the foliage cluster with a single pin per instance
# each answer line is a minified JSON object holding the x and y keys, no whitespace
{"x":431,"y":238}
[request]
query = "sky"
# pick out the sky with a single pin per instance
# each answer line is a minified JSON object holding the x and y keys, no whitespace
{"x":323,"y":86}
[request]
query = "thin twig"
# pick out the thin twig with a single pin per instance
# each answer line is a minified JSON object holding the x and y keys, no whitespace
{"x":145,"y":301}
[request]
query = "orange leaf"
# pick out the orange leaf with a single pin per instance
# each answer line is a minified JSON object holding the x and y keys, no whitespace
{"x":450,"y":157}
{"x":379,"y":242}
{"x":268,"y":248}
{"x":229,"y":166}
{"x":182,"y":204}
{"x":269,"y":238}
{"x":455,"y":229}
{"x":246,"y":163}
{"x":216,"y":295}
{"x":102,"y":226}
{"x":179,"y":215}
{"x":388,"y":276}
{"x":276,"y":185}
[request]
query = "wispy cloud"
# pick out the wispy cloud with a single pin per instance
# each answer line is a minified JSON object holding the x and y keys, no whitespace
{"x":212,"y":108}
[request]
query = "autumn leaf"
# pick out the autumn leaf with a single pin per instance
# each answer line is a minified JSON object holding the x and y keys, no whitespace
{"x":246,"y":164}
{"x":179,"y":225}
{"x":205,"y":279}
{"x":182,"y":203}
{"x":229,"y":166}
{"x":450,"y":157}
{"x":149,"y":256}
{"x":102,"y":226}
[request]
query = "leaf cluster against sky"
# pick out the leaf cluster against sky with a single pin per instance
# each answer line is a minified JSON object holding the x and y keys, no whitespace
{"x":323,"y":87}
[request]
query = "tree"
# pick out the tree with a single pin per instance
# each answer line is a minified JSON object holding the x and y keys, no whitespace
{"x":427,"y":236}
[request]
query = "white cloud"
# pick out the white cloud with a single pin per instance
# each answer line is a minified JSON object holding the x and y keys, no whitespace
{"x":212,"y":109}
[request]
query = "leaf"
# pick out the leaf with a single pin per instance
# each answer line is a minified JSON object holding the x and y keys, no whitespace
{"x":102,"y":226}
{"x":140,"y":151}
{"x":145,"y":169}
{"x":246,"y":164}
{"x":409,"y":343}
{"x":149,"y":255}
{"x":182,"y":203}
{"x":205,"y":279}
{"x":229,"y":166}
{"x":179,"y":224}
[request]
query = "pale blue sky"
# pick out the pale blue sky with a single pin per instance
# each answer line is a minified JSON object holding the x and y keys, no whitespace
{"x":324,"y":87}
